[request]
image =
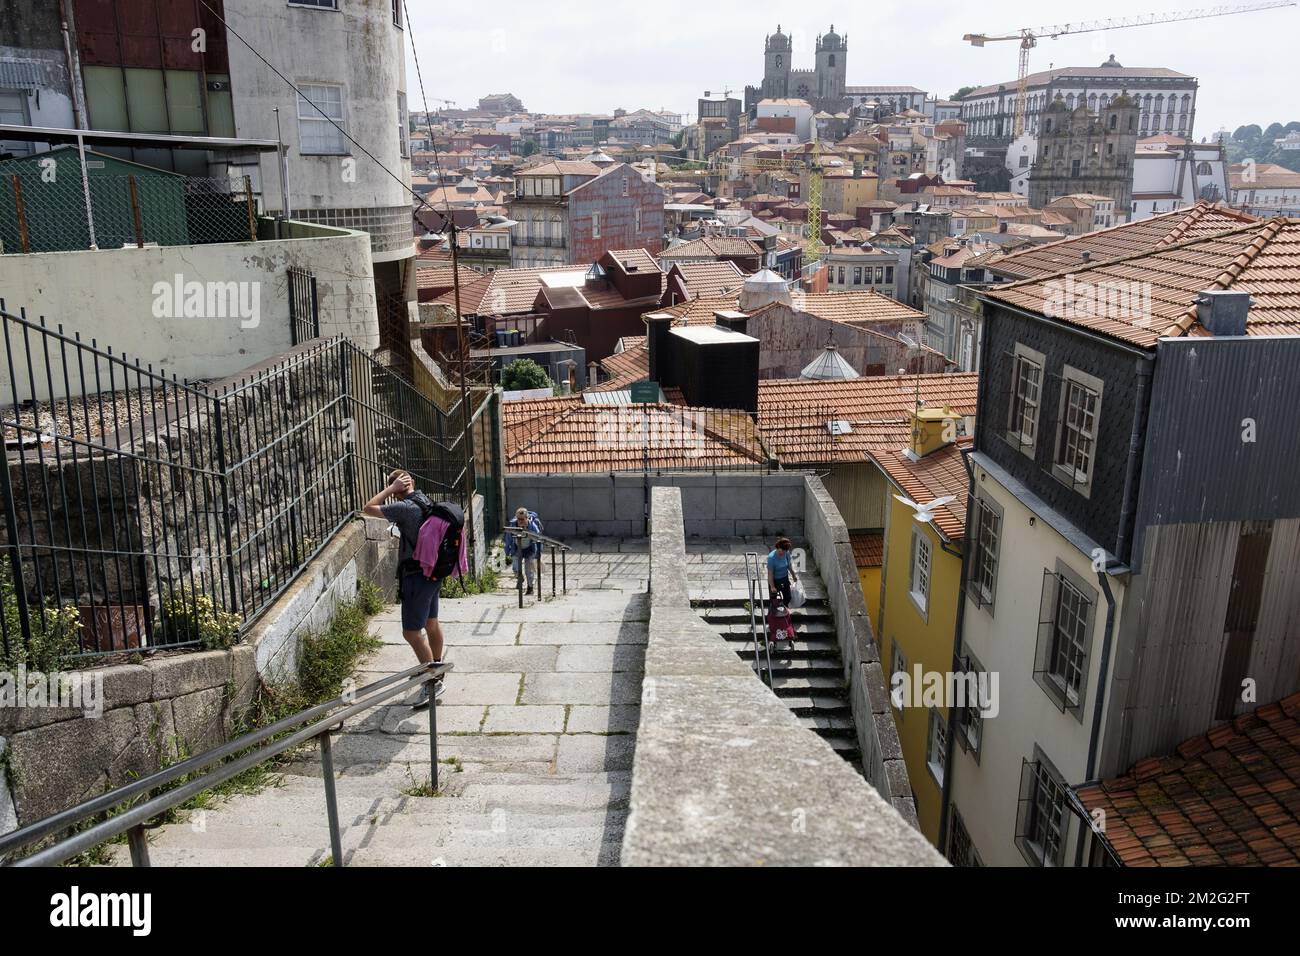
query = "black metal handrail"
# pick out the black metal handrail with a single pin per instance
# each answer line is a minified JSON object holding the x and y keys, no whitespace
{"x":549,"y":545}
{"x":758,"y":615}
{"x":132,"y":820}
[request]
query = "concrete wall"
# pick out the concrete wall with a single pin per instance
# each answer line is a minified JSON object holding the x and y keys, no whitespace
{"x":109,"y":295}
{"x":725,"y":505}
{"x":724,"y":773}
{"x":177,"y":703}
{"x":882,"y":754}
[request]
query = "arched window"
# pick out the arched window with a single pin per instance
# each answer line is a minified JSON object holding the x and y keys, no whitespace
{"x":1047,"y":126}
{"x":1114,"y":121}
{"x":832,"y":60}
{"x":1203,"y":169}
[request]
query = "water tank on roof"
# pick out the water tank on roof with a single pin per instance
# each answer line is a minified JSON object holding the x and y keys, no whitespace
{"x":763,"y":288}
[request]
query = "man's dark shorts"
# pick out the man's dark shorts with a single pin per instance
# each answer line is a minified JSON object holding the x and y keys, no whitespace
{"x":419,"y":601}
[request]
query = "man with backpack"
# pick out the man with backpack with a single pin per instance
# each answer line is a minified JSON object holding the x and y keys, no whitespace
{"x":430,"y":549}
{"x":524,"y":551}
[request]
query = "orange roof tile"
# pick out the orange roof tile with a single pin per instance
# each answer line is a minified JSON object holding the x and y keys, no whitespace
{"x":565,"y":435}
{"x":710,"y":279}
{"x":713,"y":247}
{"x":1262,"y":258}
{"x":792,"y":413}
{"x":938,"y":474}
{"x":1203,"y":219}
{"x":1229,"y":797}
{"x":868,"y":548}
{"x":624,"y":368}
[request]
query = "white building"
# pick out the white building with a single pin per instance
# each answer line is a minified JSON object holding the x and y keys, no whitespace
{"x":1264,"y":188}
{"x":349,"y":61}
{"x":1166,"y":98}
{"x":1171,"y":173}
{"x":801,"y":111}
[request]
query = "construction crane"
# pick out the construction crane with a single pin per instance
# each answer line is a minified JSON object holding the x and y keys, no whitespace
{"x":1029,"y":37}
{"x":816,"y":173}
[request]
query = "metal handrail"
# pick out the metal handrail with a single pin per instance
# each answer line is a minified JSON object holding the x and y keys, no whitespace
{"x":132,"y":821}
{"x":550,"y":545}
{"x":757,"y":620}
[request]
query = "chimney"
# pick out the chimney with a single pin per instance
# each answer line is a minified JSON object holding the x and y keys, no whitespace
{"x":732,"y":321}
{"x":658,"y":328}
{"x":932,"y":429}
{"x":1087,"y":255}
{"x":1223,"y":312}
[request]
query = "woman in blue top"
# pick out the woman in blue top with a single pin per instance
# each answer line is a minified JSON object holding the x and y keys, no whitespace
{"x":523,"y":550}
{"x":780,"y":571}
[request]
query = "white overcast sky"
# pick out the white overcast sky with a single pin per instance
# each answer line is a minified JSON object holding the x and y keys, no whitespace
{"x":591,"y":57}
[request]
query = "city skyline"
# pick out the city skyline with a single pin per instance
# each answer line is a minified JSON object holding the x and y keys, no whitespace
{"x":551,"y":63}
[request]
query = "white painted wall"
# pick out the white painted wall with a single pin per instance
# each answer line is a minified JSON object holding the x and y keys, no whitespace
{"x":109,"y":295}
{"x":357,"y":47}
{"x":986,"y":793}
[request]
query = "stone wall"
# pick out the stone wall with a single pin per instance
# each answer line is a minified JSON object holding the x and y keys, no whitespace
{"x":882,"y":754}
{"x":180,"y":702}
{"x":724,"y":505}
{"x":724,"y":773}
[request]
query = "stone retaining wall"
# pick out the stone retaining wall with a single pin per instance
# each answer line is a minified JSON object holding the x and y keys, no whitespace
{"x":613,"y":505}
{"x":183,"y":702}
{"x":724,"y":773}
{"x":882,"y":754}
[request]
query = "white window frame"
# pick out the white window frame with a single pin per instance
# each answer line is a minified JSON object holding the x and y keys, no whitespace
{"x":985,"y":557}
{"x":403,"y":127}
{"x":1015,"y":434}
{"x":316,"y":4}
{"x":307,"y":113}
{"x":595,"y":224}
{"x":897,"y":665}
{"x":1083,"y":426}
{"x":936,"y":745}
{"x":921,"y":570}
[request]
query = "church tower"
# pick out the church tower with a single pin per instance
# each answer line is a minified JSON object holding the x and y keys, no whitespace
{"x":832,"y":52}
{"x":776,"y":69}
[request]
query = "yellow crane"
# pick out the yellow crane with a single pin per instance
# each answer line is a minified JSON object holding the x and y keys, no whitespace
{"x":812,"y":165}
{"x":1029,"y":37}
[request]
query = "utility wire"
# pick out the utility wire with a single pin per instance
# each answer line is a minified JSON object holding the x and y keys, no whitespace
{"x":288,"y":82}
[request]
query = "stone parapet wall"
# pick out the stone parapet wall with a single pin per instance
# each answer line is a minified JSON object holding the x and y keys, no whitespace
{"x":724,"y":773}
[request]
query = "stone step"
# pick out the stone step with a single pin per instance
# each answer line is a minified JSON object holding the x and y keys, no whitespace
{"x":603,"y":854}
{"x":744,"y":632}
{"x":783,"y":667}
{"x":829,"y":685}
{"x":724,"y":599}
{"x":739,"y":613}
{"x":820,"y":707}
{"x":835,"y":720}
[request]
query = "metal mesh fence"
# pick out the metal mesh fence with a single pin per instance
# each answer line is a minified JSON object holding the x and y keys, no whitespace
{"x":61,"y":212}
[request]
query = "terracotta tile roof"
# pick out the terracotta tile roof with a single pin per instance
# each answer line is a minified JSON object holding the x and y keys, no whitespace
{"x":641,"y":258}
{"x":858,"y":308}
{"x":440,"y":277}
{"x":700,"y":311}
{"x":565,"y":435}
{"x":711,"y":279}
{"x":505,"y":292}
{"x":1264,"y":176}
{"x":868,"y":548}
{"x":793,"y":413}
{"x":1203,"y":219}
{"x":713,"y":247}
{"x":938,"y":474}
{"x":561,"y":167}
{"x":1228,"y":798}
{"x":1262,"y":258}
{"x":624,"y":368}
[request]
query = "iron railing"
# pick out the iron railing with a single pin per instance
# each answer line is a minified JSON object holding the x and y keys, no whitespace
{"x":146,"y":798}
{"x":758,"y":612}
{"x":141,"y":511}
{"x":304,"y":307}
{"x":548,"y":546}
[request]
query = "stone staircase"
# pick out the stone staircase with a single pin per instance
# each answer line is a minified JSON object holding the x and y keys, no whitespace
{"x":809,"y":676}
{"x":536,"y":733}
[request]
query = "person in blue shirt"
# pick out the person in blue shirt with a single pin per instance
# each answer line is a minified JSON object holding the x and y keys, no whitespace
{"x":523,"y":550}
{"x":780,"y":571}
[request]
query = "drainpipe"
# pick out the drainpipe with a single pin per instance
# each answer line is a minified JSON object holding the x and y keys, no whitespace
{"x":1103,"y":579}
{"x":1137,"y":436}
{"x":74,"y":74}
{"x":945,"y":798}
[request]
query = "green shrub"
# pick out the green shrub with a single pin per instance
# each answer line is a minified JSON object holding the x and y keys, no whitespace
{"x":523,"y":374}
{"x":459,"y":587}
{"x":55,"y":631}
{"x":193,"y":618}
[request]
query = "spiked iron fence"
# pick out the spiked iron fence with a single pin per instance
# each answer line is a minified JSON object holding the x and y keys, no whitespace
{"x":142,"y":511}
